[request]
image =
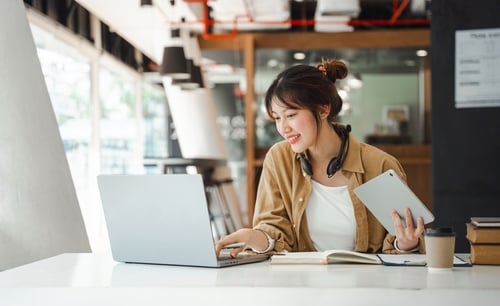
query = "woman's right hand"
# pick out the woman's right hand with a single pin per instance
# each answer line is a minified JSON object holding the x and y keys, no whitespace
{"x":254,"y":239}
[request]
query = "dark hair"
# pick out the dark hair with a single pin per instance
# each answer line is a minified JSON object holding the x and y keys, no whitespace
{"x":304,"y":86}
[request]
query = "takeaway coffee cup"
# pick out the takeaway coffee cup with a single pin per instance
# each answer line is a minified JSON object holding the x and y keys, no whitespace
{"x":440,"y":248}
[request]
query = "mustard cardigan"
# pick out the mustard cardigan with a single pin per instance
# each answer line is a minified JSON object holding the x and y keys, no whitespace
{"x":284,"y":191}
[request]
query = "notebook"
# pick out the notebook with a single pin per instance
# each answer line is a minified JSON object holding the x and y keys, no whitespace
{"x":388,"y":191}
{"x":162,"y":219}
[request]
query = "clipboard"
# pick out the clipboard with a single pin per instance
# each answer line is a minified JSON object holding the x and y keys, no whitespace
{"x":388,"y":191}
{"x":417,"y":260}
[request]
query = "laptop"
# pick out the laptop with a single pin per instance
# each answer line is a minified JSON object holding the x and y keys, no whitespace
{"x":162,"y":219}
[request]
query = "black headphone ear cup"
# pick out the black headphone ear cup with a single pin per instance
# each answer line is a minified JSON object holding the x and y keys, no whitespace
{"x":306,"y":166}
{"x":336,"y":162}
{"x":333,"y":166}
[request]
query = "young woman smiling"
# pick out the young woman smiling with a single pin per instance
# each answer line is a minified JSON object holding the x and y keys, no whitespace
{"x":305,"y":199}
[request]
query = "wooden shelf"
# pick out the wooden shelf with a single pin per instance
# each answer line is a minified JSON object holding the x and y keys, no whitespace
{"x":314,"y":40}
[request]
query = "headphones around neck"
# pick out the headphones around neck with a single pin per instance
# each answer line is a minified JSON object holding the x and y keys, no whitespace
{"x":337,"y":161}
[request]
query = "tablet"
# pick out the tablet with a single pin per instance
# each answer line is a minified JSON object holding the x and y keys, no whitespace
{"x":388,"y":191}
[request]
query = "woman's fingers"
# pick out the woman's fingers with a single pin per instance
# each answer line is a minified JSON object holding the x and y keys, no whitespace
{"x":398,"y":225}
{"x":409,"y":219}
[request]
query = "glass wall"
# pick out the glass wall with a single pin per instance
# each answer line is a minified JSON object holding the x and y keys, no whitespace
{"x":109,"y":119}
{"x":382,"y":94}
{"x":119,"y":130}
{"x":225,"y":75}
{"x":154,"y":113}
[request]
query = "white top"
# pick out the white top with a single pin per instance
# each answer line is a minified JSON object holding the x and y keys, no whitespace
{"x":330,"y":216}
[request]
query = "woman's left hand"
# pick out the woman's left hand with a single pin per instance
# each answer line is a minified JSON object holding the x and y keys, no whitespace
{"x":407,"y":236}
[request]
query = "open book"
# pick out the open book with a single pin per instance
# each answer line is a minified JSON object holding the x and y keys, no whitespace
{"x":325,"y":257}
{"x":344,"y":256}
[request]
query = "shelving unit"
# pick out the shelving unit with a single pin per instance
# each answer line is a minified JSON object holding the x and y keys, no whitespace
{"x":248,"y":43}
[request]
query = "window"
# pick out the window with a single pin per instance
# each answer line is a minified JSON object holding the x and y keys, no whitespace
{"x":98,"y":104}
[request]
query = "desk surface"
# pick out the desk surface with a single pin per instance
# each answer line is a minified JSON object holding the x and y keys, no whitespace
{"x":84,"y":279}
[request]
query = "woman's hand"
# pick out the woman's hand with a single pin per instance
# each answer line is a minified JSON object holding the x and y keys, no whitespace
{"x":254,"y":239}
{"x":407,"y":237}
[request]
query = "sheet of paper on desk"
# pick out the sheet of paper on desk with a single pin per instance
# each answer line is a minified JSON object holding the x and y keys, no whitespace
{"x":414,"y":260}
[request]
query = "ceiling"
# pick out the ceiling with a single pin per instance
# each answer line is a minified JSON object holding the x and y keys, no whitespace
{"x":147,"y":27}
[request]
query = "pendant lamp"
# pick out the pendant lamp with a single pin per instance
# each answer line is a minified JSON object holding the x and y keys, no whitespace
{"x":174,"y":62}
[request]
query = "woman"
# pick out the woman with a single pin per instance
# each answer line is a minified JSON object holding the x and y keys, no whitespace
{"x":305,"y":199}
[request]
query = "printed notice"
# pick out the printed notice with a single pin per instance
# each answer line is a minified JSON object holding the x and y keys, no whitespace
{"x":477,"y":68}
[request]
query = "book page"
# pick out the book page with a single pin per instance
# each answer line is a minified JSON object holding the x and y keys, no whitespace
{"x":325,"y":257}
{"x":299,"y":258}
{"x":341,"y":256}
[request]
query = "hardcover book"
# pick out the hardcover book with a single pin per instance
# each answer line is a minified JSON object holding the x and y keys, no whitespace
{"x":485,"y":221}
{"x":485,"y":254}
{"x":477,"y":234}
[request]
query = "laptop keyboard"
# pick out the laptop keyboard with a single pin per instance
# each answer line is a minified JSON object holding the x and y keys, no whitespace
{"x":226,"y":255}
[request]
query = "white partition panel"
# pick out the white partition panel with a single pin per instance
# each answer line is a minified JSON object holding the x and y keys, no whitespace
{"x":39,"y":212}
{"x":193,"y":113}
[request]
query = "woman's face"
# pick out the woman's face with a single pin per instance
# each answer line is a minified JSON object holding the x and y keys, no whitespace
{"x":298,"y":126}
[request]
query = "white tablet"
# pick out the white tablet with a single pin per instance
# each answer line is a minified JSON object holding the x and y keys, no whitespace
{"x":388,"y":191}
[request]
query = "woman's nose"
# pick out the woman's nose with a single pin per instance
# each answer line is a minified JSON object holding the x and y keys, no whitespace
{"x":283,"y":127}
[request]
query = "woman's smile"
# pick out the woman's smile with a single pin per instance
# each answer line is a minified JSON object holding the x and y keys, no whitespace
{"x":293,"y":139}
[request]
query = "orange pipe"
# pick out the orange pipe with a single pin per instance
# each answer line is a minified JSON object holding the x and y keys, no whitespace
{"x":398,"y":10}
{"x":394,"y":20}
{"x":207,"y":22}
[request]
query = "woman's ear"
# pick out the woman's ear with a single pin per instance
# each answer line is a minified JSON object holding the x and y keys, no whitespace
{"x":324,"y":111}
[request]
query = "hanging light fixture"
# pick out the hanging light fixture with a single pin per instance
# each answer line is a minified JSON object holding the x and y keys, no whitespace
{"x":195,"y":79}
{"x":174,"y":62}
{"x":195,"y":73}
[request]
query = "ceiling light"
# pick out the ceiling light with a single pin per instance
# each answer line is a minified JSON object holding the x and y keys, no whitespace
{"x":272,"y":63}
{"x":343,"y":94}
{"x":174,"y":63}
{"x":421,"y":53}
{"x":195,"y":73}
{"x":299,"y":56}
{"x":410,"y":63}
{"x":194,"y":81}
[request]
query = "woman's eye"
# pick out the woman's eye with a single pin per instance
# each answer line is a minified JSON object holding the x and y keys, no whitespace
{"x":290,"y":115}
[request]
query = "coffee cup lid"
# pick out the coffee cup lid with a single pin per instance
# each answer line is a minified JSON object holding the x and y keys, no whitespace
{"x":440,"y":231}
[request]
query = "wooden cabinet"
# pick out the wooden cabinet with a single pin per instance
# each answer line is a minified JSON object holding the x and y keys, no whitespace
{"x":250,"y":42}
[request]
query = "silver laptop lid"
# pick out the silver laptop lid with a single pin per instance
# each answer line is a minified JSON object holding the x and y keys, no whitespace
{"x":159,"y":219}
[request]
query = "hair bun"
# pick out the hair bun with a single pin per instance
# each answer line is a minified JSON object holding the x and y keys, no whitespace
{"x":334,"y":69}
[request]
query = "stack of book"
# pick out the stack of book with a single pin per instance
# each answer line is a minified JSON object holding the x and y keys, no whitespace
{"x":483,"y":234}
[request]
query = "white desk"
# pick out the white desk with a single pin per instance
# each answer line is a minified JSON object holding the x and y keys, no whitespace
{"x":89,"y":279}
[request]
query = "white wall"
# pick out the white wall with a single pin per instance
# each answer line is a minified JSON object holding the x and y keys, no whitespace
{"x":39,"y":212}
